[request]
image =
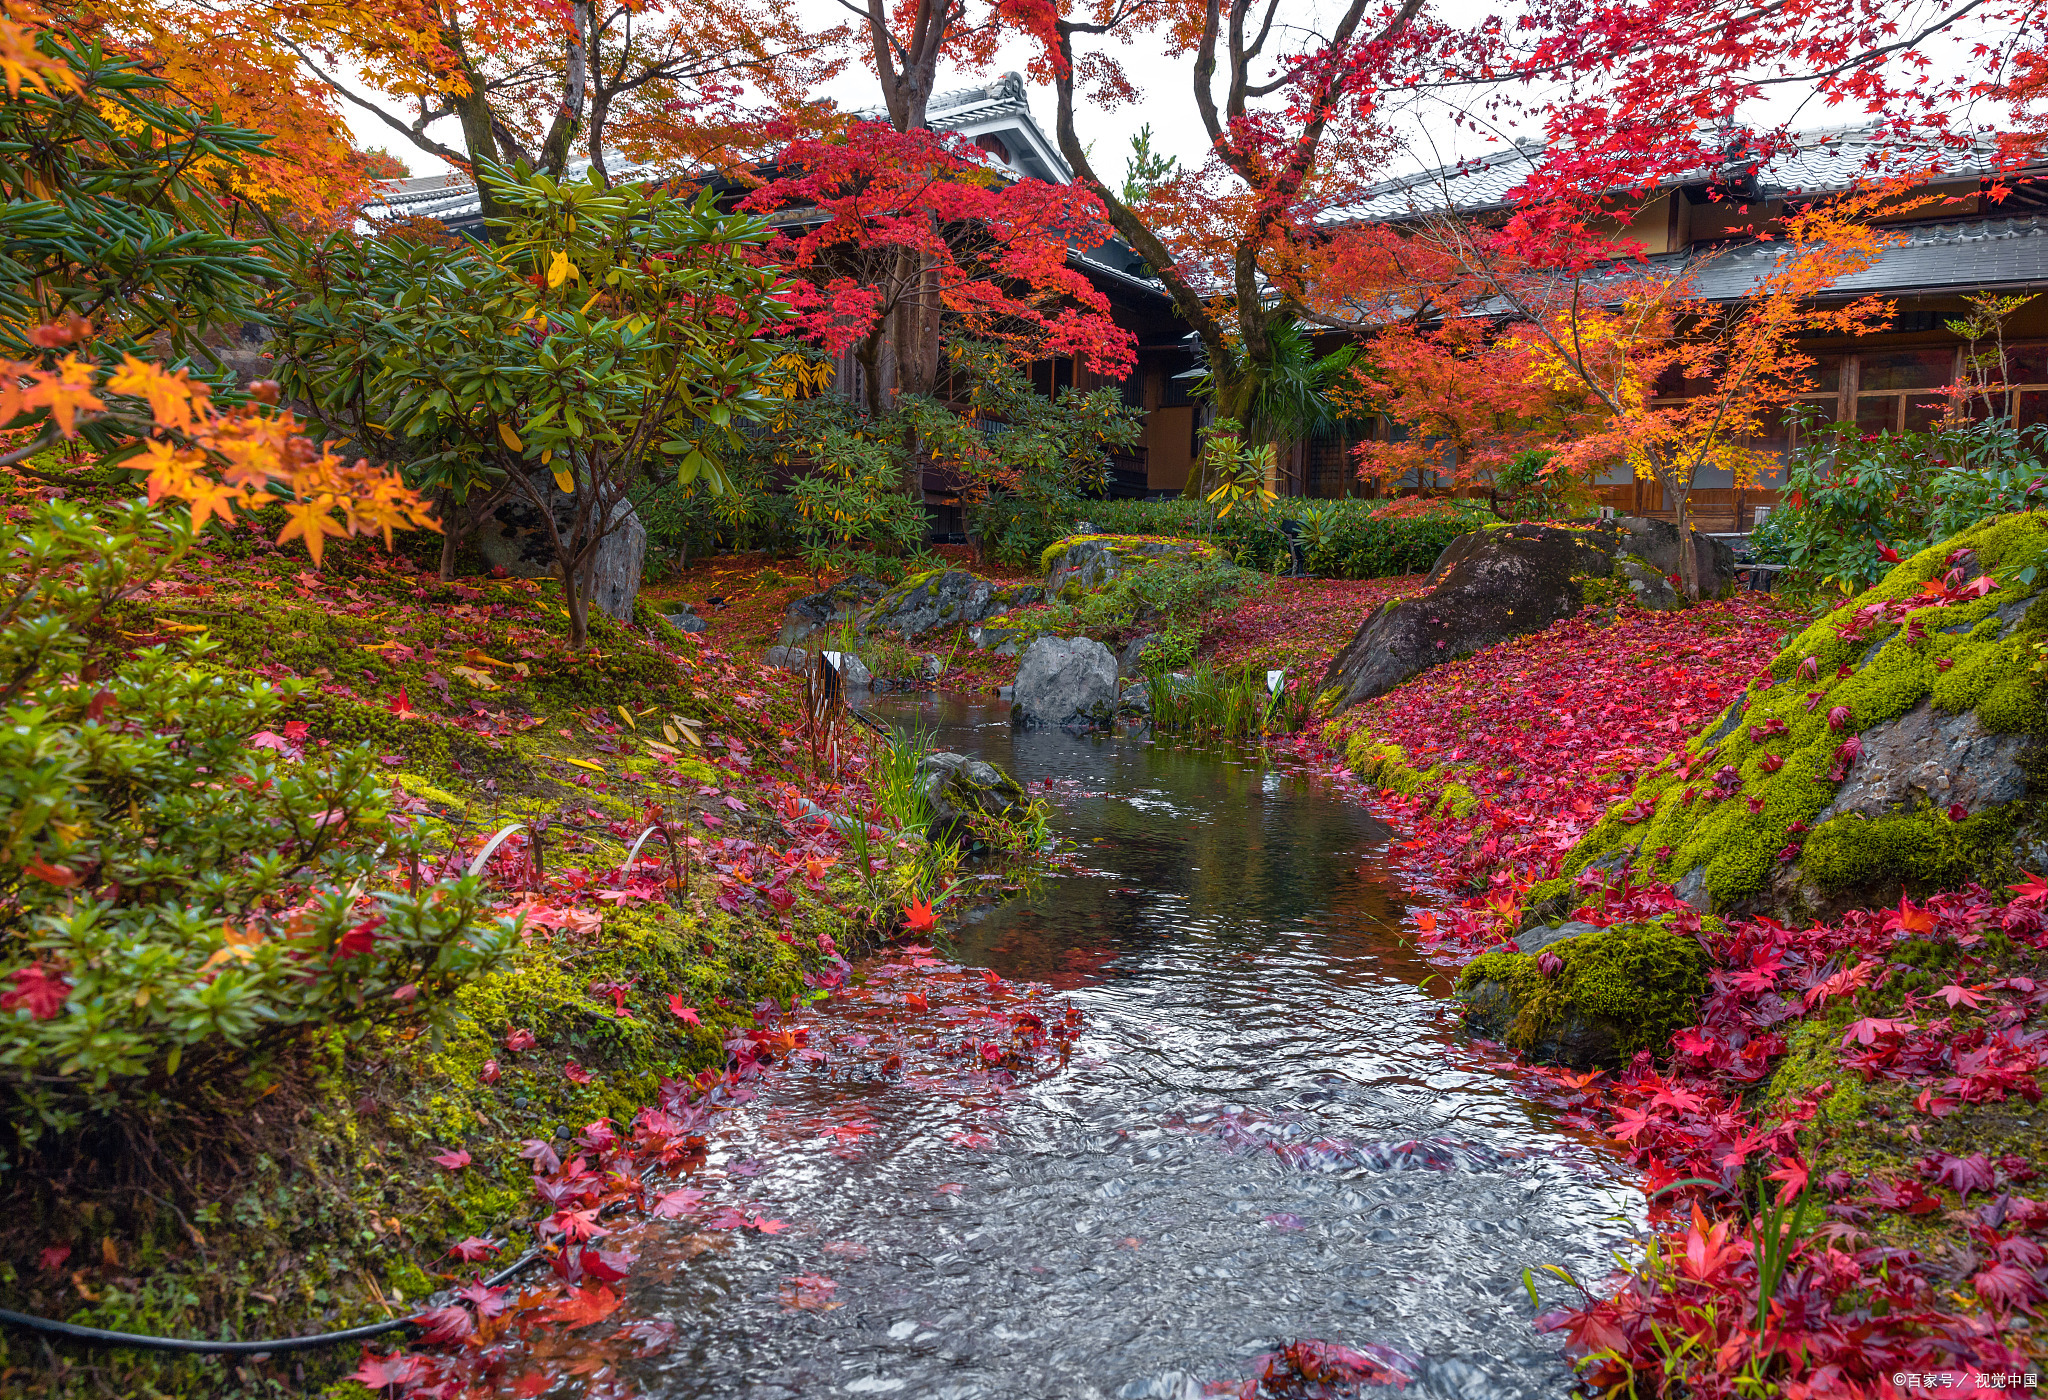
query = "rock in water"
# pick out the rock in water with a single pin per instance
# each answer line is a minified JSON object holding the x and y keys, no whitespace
{"x":1065,"y":680}
{"x":943,"y":598}
{"x":959,"y":789}
{"x":839,"y":603}
{"x":1590,"y":999}
{"x":1486,"y":587}
{"x":515,"y":538}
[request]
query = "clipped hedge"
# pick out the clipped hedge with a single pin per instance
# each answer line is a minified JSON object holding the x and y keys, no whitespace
{"x":1344,"y":539}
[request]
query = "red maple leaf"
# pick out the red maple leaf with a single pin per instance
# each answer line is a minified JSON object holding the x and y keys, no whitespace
{"x":675,"y":1203}
{"x":575,"y":1226}
{"x":38,"y":989}
{"x":487,"y":1301}
{"x":443,"y":1325}
{"x":575,"y":1073}
{"x":474,"y":1248}
{"x":918,"y":918}
{"x":1964,"y":1174}
{"x":686,"y":1014}
{"x":1872,"y":1029}
{"x":585,"y":1306}
{"x":385,"y":1372}
{"x":2032,"y":890}
{"x":519,"y":1039}
{"x":454,"y":1161}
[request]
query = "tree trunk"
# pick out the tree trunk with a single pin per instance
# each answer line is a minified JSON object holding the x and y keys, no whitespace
{"x":575,"y":600}
{"x":451,"y":537}
{"x":1688,"y":556}
{"x":561,"y":138}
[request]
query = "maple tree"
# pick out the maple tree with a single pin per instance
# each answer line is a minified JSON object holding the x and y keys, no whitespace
{"x":678,"y":82}
{"x":1592,"y":340}
{"x":1230,"y":240}
{"x":903,"y":240}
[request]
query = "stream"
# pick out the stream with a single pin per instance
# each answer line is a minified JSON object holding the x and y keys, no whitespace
{"x":1267,"y":1132}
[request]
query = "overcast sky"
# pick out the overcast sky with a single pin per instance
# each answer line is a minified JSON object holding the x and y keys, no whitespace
{"x":1167,"y":103}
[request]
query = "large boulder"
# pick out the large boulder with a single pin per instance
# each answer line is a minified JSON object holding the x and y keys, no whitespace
{"x":944,"y":598}
{"x":1081,"y":563}
{"x":841,"y":602}
{"x":961,"y":790}
{"x":1065,"y":680}
{"x":1893,"y":746}
{"x":1592,"y":998}
{"x":1487,"y":586}
{"x":1655,"y":543}
{"x":1493,"y":584}
{"x":515,"y":538}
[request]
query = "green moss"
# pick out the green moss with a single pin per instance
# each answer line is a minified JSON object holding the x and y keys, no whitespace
{"x":1597,"y":592}
{"x":1921,"y":850}
{"x":1957,"y":661}
{"x":1548,"y":898}
{"x":1636,"y":982}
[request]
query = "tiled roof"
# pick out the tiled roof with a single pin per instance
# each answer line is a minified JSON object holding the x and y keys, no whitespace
{"x":452,"y":198}
{"x":1965,"y":254}
{"x":1823,"y":160}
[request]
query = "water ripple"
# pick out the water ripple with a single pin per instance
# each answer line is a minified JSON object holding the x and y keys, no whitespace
{"x":1266,"y":1133}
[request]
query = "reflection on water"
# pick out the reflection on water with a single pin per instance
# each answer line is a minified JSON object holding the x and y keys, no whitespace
{"x":1267,"y":1133}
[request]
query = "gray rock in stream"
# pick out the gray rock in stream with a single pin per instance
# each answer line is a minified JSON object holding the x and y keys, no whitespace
{"x":1066,"y":681}
{"x":960,"y":789}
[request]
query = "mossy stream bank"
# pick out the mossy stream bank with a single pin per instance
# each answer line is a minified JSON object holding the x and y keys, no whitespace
{"x":309,"y":1199}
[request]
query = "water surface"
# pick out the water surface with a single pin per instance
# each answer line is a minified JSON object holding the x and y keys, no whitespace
{"x":1267,"y":1132}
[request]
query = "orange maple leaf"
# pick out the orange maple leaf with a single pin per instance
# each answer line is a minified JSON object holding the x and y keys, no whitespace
{"x":585,"y":1307}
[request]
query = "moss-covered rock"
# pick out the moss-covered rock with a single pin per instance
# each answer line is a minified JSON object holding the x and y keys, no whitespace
{"x":1084,"y":562}
{"x":1619,"y":990}
{"x":942,"y":598}
{"x":1892,"y":746}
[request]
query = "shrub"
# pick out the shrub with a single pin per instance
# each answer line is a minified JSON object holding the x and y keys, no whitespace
{"x":1854,"y":504}
{"x":190,"y":889}
{"x":1342,"y":539}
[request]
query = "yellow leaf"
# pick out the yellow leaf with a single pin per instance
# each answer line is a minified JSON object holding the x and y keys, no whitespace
{"x":691,"y":735}
{"x":585,"y":763}
{"x":659,"y":747}
{"x":560,"y":270}
{"x":480,"y":658}
{"x":670,"y":733}
{"x":627,"y":716}
{"x":475,"y":677}
{"x":178,"y":627}
{"x":510,"y":438}
{"x":564,"y":482}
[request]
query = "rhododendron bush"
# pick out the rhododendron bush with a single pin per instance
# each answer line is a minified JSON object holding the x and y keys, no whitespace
{"x":1839,"y":1184}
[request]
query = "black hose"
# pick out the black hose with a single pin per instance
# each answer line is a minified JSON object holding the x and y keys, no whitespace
{"x":100,"y":1336}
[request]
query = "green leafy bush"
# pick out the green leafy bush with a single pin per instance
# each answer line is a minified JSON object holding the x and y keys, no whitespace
{"x":190,"y":890}
{"x":1342,"y":539}
{"x":852,"y":503}
{"x":1856,"y":503}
